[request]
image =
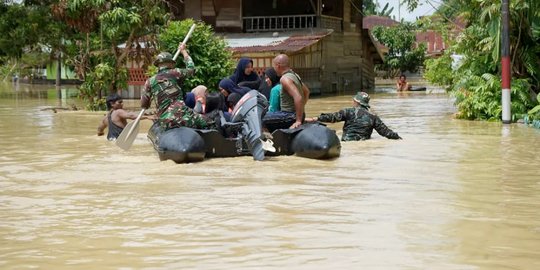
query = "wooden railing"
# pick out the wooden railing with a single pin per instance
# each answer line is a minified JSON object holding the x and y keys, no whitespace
{"x":279,"y":23}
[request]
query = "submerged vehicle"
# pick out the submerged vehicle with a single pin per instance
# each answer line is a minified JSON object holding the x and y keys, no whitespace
{"x":243,"y":136}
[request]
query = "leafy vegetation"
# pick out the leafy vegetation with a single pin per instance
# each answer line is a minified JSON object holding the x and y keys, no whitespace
{"x":104,"y":35}
{"x":24,"y":30}
{"x":476,"y":82}
{"x":402,"y":54}
{"x":439,"y":70}
{"x":99,"y":39}
{"x":99,"y":80}
{"x":212,"y":59}
{"x":372,"y":7}
{"x":533,"y":116}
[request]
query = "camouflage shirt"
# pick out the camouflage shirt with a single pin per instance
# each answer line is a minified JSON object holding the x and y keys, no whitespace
{"x":165,"y":88}
{"x":359,"y":124}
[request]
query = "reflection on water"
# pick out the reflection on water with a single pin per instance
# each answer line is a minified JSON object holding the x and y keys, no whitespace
{"x":452,"y":195}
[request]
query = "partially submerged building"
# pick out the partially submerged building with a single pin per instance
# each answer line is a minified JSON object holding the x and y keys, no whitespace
{"x":325,"y":40}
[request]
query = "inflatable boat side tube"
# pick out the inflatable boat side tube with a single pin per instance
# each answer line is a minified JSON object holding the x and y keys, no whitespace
{"x":316,"y":141}
{"x":181,"y":145}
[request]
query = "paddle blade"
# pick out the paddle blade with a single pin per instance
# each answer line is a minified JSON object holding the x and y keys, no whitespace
{"x":126,"y":139}
{"x":128,"y":135}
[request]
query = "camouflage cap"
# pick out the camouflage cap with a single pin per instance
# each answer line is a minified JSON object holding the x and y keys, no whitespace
{"x":164,"y":57}
{"x":362,"y":98}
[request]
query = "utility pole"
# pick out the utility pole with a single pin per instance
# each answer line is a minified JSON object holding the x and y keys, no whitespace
{"x":506,"y":72}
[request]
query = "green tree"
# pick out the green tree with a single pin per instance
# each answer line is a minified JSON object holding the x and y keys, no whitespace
{"x":372,"y":7}
{"x":439,"y":70}
{"x":106,"y":34}
{"x":25,"y":29}
{"x":476,"y":83}
{"x":213,"y":61}
{"x":369,"y":7}
{"x":402,"y":53}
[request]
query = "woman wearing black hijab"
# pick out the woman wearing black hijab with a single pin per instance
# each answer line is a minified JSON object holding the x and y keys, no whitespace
{"x":244,"y":74}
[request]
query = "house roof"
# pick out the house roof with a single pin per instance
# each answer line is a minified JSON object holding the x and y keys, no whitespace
{"x":286,"y":42}
{"x":368,"y":22}
{"x":377,"y":50}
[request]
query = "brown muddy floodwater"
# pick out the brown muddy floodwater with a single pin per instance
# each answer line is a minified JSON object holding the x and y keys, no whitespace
{"x":452,"y":195}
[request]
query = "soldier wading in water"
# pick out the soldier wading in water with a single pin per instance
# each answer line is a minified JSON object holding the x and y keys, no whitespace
{"x":359,"y":122}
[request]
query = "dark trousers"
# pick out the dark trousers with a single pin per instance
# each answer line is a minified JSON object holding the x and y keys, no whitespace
{"x":279,"y":120}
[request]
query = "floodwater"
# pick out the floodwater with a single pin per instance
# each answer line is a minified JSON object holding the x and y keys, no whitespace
{"x":452,"y":194}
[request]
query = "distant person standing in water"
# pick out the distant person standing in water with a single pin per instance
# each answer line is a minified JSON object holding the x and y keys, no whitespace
{"x":402,"y":84}
{"x":116,"y":118}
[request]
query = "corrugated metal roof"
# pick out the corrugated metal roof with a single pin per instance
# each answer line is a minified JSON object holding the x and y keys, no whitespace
{"x":368,"y":22}
{"x":274,"y":42}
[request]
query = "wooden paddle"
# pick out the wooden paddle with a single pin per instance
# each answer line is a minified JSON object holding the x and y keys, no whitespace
{"x":129,"y":133}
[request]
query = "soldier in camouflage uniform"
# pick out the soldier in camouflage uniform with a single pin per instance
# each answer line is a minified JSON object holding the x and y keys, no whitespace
{"x":165,"y":88}
{"x":359,"y":122}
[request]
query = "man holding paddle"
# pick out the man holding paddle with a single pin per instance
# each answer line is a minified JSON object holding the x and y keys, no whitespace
{"x":165,"y":89}
{"x":116,"y":119}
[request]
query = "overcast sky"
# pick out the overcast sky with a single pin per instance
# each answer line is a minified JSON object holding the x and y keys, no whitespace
{"x":424,"y":8}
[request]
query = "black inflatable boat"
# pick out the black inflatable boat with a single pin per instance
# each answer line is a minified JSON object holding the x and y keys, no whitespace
{"x":183,"y":145}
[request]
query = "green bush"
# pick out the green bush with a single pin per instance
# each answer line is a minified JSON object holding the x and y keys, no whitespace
{"x":99,"y":81}
{"x":533,"y":116}
{"x":402,"y":54}
{"x":439,"y":70}
{"x":213,"y":61}
{"x":479,"y":97}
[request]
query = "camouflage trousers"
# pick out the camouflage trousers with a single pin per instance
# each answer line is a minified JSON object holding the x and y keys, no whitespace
{"x":180,"y":115}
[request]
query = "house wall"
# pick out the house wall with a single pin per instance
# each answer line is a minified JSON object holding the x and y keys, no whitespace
{"x":193,"y":8}
{"x":344,"y":67}
{"x":339,"y":63}
{"x":66,"y":72}
{"x":347,"y":63}
{"x":433,"y":41}
{"x":276,"y":8}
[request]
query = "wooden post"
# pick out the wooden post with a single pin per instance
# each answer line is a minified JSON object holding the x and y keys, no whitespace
{"x":59,"y":69}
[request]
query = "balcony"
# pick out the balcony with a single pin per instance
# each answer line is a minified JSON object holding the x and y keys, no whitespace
{"x":292,"y":22}
{"x":279,"y":23}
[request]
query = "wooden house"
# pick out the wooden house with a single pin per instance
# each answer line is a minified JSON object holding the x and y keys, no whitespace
{"x":324,"y":39}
